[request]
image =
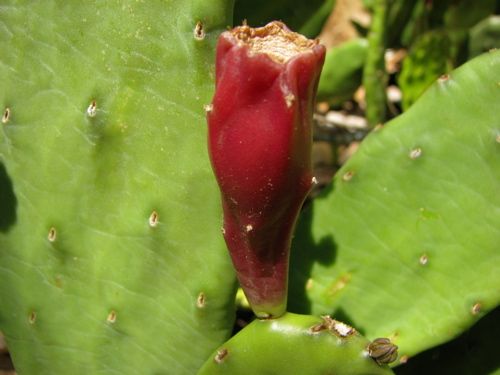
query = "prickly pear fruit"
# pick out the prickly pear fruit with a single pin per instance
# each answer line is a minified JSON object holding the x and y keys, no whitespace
{"x":298,"y":344}
{"x":259,"y":142}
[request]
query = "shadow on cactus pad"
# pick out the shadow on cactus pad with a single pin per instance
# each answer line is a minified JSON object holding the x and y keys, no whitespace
{"x":8,"y":201}
{"x":474,"y":352}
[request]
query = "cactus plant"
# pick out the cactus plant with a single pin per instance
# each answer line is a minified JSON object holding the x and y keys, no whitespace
{"x":405,"y":243}
{"x":111,"y":240}
{"x":429,"y":58}
{"x":111,"y":257}
{"x":398,"y":17}
{"x":374,"y":72}
{"x":295,"y":344}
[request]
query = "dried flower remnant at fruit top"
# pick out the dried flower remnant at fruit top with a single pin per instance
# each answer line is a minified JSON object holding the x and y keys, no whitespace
{"x":274,"y":40}
{"x":259,"y":140}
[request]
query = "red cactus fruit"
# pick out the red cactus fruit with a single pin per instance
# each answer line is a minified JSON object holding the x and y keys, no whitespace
{"x":259,"y":141}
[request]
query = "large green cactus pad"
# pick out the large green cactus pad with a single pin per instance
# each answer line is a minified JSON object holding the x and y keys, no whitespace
{"x":406,"y":244}
{"x":111,"y":261}
{"x":294,"y":344}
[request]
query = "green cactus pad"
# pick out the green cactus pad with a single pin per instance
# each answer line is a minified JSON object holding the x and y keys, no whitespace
{"x":111,"y":258}
{"x":294,"y":344}
{"x":342,"y":72}
{"x":429,"y":58}
{"x":484,"y":36}
{"x":405,"y":242}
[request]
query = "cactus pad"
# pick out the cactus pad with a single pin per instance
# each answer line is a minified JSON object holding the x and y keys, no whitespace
{"x":429,"y":58}
{"x":405,"y":242}
{"x":342,"y":71}
{"x":111,"y":237}
{"x":295,"y":344}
